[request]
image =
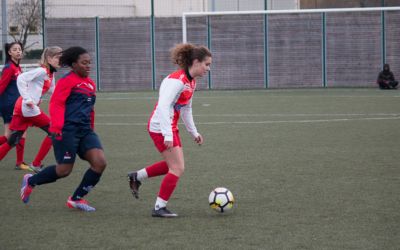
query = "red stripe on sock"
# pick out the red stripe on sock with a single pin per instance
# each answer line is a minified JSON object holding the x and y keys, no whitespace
{"x":44,"y":149}
{"x":168,"y":185}
{"x":158,"y":168}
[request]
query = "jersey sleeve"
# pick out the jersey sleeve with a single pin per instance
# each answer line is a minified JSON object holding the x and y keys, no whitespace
{"x":57,"y":105}
{"x":187,"y":117}
{"x":5,"y":79}
{"x":169,"y":91}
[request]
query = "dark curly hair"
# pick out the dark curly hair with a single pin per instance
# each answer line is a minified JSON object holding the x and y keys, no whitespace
{"x":184,"y":54}
{"x":71,"y":55}
{"x":8,"y":46}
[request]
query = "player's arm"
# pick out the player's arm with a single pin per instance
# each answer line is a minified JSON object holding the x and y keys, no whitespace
{"x":187,"y":117}
{"x":170,"y":89}
{"x":57,"y":105}
{"x":5,"y":79}
{"x":30,"y":94}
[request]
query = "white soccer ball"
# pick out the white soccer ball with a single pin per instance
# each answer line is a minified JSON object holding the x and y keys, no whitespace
{"x":221,"y":199}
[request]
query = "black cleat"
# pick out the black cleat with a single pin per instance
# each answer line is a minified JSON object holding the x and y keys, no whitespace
{"x":163,"y":212}
{"x":134,"y":184}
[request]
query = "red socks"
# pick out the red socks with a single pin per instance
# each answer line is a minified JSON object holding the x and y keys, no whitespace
{"x":4,"y":150}
{"x":44,"y":149}
{"x":168,"y":185}
{"x":158,"y":168}
{"x":20,"y":148}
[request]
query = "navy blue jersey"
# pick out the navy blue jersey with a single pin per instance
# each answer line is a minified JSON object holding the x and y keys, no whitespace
{"x":72,"y":103}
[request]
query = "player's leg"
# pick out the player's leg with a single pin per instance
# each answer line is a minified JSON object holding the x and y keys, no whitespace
{"x":48,"y":175}
{"x":176,"y":165}
{"x":12,"y":141}
{"x":65,"y":153}
{"x":20,"y":148}
{"x":90,"y":149}
{"x":43,"y":122}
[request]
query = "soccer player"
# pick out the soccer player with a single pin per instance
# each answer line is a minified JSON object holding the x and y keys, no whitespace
{"x":72,"y":123}
{"x":9,"y":95}
{"x":175,"y":100}
{"x":32,"y":85}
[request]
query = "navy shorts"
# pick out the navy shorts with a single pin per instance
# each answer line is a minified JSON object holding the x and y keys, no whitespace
{"x":73,"y":143}
{"x":7,"y":104}
{"x":7,"y":113}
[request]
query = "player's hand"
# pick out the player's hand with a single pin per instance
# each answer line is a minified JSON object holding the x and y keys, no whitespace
{"x":199,"y":139}
{"x":56,"y":136}
{"x":168,"y":144}
{"x":30,"y":104}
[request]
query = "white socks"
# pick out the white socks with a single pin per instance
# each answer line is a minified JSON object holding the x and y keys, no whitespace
{"x":142,"y":174}
{"x":160,"y":203}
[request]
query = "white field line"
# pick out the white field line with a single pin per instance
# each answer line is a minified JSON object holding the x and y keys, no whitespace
{"x":256,"y":115}
{"x":268,"y":95}
{"x":264,"y":122}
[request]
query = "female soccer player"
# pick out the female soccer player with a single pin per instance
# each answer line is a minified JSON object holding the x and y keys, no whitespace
{"x":175,"y":100}
{"x":72,"y":124}
{"x":9,"y":95}
{"x":32,"y":85}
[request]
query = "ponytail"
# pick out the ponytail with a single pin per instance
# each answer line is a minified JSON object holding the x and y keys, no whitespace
{"x":185,"y":53}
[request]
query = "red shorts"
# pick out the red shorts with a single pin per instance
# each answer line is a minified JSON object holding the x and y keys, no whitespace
{"x":22,"y":123}
{"x":158,"y":140}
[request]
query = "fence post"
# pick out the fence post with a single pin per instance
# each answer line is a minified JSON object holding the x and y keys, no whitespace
{"x":266,"y":84}
{"x":209,"y":47}
{"x":383,"y":32}
{"x":44,"y":23}
{"x":324,"y":84}
{"x":97,"y":43}
{"x":153,"y":54}
{"x":5,"y":27}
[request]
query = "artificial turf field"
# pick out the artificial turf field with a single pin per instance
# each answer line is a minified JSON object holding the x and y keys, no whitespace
{"x":310,"y":169}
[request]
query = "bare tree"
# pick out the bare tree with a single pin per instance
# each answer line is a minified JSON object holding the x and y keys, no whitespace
{"x":25,"y":16}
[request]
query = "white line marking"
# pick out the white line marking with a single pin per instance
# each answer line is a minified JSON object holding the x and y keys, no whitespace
{"x":255,"y":115}
{"x":264,"y":122}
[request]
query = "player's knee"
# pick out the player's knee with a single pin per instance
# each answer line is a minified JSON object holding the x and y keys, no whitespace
{"x":99,"y":165}
{"x":63,"y":171}
{"x":177,"y":169}
{"x":14,"y":138}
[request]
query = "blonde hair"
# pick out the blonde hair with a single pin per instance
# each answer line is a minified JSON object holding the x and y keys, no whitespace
{"x":184,"y":54}
{"x":49,"y":52}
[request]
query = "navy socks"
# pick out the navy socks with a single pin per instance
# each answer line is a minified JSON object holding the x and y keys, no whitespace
{"x":47,"y":175}
{"x":88,"y":182}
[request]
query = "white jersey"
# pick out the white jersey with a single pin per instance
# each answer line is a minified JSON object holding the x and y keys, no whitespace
{"x":175,"y":99}
{"x":32,"y":85}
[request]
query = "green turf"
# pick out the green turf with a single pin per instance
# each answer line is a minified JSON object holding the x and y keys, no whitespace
{"x":310,"y":169}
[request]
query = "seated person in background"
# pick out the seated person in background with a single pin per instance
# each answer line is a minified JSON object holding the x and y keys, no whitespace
{"x":386,"y":78}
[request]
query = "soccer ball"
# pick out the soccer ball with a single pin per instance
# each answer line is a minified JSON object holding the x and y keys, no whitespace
{"x":221,"y":199}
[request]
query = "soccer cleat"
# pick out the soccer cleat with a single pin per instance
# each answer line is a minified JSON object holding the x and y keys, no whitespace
{"x":80,"y":204}
{"x":35,"y":169}
{"x":163,"y":212}
{"x":22,"y":166}
{"x":26,"y":189}
{"x":134,"y":184}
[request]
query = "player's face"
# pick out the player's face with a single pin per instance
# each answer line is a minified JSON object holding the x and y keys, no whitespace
{"x":82,"y":65}
{"x":200,"y":68}
{"x":15,"y":52}
{"x":54,"y":60}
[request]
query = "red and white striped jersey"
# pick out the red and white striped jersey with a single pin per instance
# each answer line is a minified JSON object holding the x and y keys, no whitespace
{"x":175,"y":100}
